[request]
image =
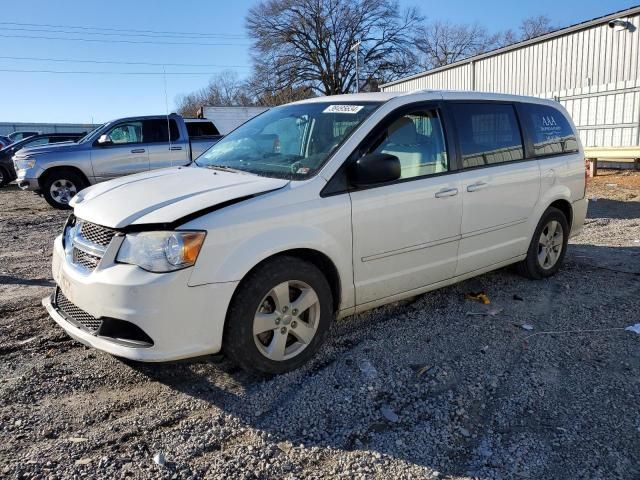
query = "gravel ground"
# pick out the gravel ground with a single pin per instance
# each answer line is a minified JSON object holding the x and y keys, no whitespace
{"x":411,"y":390}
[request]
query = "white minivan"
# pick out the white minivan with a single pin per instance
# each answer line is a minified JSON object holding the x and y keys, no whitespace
{"x":313,"y":211}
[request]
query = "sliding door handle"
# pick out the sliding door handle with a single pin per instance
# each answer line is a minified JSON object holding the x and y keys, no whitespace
{"x":447,"y":192}
{"x":474,"y":187}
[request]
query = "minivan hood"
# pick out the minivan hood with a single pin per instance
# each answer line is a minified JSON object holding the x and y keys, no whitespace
{"x":53,"y":147}
{"x":165,"y":196}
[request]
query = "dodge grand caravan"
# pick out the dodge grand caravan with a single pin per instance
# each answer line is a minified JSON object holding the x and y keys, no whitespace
{"x":313,"y":211}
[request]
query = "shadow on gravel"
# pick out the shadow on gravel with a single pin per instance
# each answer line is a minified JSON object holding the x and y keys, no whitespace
{"x":616,"y":259}
{"x":424,"y":383}
{"x":37,"y":282}
{"x":605,"y":208}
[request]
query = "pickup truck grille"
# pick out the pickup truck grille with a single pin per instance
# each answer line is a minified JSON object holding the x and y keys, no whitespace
{"x":75,"y":314}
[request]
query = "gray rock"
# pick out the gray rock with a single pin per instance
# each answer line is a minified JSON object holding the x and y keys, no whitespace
{"x":389,"y":414}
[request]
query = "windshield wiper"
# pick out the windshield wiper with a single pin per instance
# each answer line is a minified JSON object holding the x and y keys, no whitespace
{"x":224,"y":168}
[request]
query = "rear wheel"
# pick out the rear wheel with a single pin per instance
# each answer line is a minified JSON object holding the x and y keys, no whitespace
{"x":4,"y":177}
{"x":548,"y":246}
{"x":60,"y":187}
{"x":279,"y":317}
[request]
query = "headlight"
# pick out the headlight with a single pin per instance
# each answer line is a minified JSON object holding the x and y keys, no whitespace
{"x":24,"y":163}
{"x":161,"y":251}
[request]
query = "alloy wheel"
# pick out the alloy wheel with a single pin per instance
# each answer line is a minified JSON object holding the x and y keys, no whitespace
{"x":62,"y":191}
{"x":550,"y":244}
{"x":286,"y":320}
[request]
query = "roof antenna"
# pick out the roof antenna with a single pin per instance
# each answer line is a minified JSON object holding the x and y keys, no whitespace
{"x":166,"y":106}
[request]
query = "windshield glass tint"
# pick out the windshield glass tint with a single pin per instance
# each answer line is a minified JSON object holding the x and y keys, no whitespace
{"x":292,"y":141}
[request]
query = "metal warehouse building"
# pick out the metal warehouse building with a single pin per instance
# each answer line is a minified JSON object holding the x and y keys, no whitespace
{"x":592,"y":68}
{"x":8,"y":127}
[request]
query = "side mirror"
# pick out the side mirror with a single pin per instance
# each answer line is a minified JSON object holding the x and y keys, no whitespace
{"x":104,"y":140}
{"x":374,"y":169}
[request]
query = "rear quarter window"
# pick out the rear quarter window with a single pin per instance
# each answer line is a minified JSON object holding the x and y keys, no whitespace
{"x":201,"y":129}
{"x":551,"y":133}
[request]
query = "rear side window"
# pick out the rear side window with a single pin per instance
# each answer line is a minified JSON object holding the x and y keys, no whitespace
{"x":156,"y":130}
{"x":36,"y":142}
{"x":201,"y":129}
{"x":488,"y":133}
{"x":550,"y":131}
{"x":61,"y":139}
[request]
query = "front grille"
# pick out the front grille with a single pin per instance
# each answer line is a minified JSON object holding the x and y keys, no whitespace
{"x":97,"y":234}
{"x":76,"y":314}
{"x":86,"y":243}
{"x":85,"y":259}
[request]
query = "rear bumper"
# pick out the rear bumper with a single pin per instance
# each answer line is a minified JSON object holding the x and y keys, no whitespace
{"x":579,"y":208}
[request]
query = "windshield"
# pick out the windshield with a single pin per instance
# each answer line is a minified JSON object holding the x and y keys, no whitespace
{"x":292,"y":141}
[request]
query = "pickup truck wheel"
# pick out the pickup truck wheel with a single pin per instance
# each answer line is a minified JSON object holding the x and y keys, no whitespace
{"x":548,"y":246}
{"x":279,"y":316}
{"x":60,"y":187}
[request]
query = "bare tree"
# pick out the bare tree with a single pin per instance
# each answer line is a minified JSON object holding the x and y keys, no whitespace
{"x":224,"y":89}
{"x":535,"y":26}
{"x":310,"y":41}
{"x":271,"y":86}
{"x":508,"y":37}
{"x":188,"y":105}
{"x":529,"y":28}
{"x":442,"y":43}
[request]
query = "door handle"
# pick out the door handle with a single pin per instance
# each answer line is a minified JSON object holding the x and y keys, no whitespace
{"x":137,"y":150}
{"x":474,"y":187}
{"x":447,"y":192}
{"x":175,"y":148}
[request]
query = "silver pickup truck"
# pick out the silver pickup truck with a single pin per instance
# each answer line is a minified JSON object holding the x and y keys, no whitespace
{"x":120,"y":147}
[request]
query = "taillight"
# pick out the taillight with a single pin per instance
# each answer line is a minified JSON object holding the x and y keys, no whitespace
{"x":587,"y":168}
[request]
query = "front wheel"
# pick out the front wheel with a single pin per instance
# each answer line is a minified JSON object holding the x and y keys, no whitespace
{"x":60,"y":187}
{"x":548,"y":246}
{"x":279,"y":317}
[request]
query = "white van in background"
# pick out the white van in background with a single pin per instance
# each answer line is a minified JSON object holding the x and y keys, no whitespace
{"x":316,"y":210}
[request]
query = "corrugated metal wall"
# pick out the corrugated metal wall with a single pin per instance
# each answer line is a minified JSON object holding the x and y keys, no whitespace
{"x":594,"y":72}
{"x":10,"y":127}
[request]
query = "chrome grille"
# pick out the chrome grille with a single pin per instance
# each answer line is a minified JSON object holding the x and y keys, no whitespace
{"x":75,"y":314}
{"x":97,"y":234}
{"x":85,"y":259}
{"x":86,"y":244}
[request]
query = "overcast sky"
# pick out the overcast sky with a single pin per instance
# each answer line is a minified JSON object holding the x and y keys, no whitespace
{"x":219,"y":42}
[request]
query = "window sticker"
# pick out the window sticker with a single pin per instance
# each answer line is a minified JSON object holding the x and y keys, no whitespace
{"x":343,"y":109}
{"x":550,"y":128}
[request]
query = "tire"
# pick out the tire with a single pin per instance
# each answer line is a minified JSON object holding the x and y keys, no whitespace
{"x":4,"y":177}
{"x":535,"y":266}
{"x":66,"y":183}
{"x":259,"y":302}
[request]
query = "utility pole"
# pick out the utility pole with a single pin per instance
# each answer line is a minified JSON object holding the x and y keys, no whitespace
{"x":354,"y":48}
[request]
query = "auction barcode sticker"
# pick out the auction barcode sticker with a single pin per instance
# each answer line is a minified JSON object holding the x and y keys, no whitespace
{"x":343,"y":109}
